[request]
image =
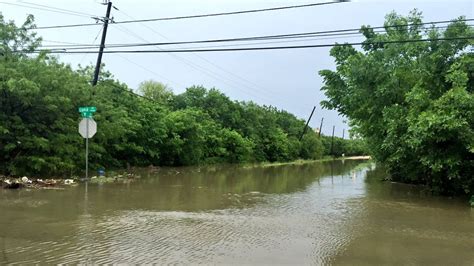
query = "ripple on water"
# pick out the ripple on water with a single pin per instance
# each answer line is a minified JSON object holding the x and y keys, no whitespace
{"x":304,"y":227}
{"x":286,"y":228}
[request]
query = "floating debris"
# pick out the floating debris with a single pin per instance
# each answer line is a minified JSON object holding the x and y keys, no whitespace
{"x":120,"y":178}
{"x":8,"y":184}
{"x":25,"y":180}
{"x":37,"y":183}
{"x":69,"y":181}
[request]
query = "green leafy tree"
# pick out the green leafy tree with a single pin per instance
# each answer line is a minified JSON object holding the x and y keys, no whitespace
{"x":155,"y":90}
{"x":16,"y":42}
{"x":412,"y":102}
{"x":311,"y":146}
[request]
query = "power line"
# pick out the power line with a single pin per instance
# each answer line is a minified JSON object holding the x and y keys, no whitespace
{"x":232,"y":13}
{"x":146,"y":69}
{"x":51,"y":9}
{"x":93,"y":42}
{"x":255,"y":87}
{"x":193,"y":65}
{"x":59,"y":9}
{"x":303,"y":35}
{"x":308,"y":35}
{"x":202,"y":15}
{"x":183,"y":60}
{"x":65,"y":26}
{"x":150,"y":71}
{"x":338,"y":32}
{"x":67,"y":44}
{"x":256,"y":48}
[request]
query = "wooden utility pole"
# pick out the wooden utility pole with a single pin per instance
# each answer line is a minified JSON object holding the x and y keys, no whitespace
{"x":307,"y":122}
{"x":332,"y":141}
{"x":321,"y":127}
{"x":102,"y":44}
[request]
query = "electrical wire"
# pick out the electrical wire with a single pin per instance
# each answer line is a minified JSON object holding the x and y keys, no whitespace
{"x":282,"y":35}
{"x":93,"y":42}
{"x":255,"y":48}
{"x":58,"y":9}
{"x":232,"y":13}
{"x":243,"y":82}
{"x":126,"y":31}
{"x":192,"y":65}
{"x":52,"y":9}
{"x":199,"y":16}
{"x":67,"y":44}
{"x":305,"y":36}
{"x":185,"y":61}
{"x":150,"y":71}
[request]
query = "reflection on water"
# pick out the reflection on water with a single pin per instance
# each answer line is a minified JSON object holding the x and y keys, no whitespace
{"x":403,"y":225}
{"x":301,"y":214}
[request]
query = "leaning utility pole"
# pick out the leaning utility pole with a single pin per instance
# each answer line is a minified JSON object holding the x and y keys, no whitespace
{"x":307,"y":122}
{"x":332,"y":141}
{"x":102,"y":45}
{"x":321,"y":127}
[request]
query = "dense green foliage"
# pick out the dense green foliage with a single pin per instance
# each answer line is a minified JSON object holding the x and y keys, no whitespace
{"x":413,"y":102}
{"x":39,"y":119}
{"x":347,"y":147}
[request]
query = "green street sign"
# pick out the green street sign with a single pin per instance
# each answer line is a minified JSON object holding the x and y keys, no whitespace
{"x":87,"y":109}
{"x":87,"y":114}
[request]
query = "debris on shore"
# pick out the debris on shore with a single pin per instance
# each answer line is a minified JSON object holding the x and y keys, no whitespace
{"x":25,"y":182}
{"x":37,"y":183}
{"x":120,"y":178}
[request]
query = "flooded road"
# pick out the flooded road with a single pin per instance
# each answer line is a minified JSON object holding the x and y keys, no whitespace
{"x":320,"y":213}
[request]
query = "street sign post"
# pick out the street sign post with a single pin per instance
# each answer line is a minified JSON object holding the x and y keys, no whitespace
{"x":87,"y":129}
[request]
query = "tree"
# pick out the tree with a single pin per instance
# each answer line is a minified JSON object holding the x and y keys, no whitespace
{"x":16,"y":42}
{"x":155,"y":90}
{"x":413,"y":102}
{"x":311,"y":146}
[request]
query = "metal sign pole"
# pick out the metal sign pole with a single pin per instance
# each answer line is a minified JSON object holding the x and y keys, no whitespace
{"x":87,"y":129}
{"x":87,"y":149}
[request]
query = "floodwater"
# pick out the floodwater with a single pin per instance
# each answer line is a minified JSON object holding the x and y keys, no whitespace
{"x":320,"y":213}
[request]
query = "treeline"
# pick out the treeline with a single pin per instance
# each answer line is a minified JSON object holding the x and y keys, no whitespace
{"x":39,"y":118}
{"x":338,"y":147}
{"x":414,"y":101}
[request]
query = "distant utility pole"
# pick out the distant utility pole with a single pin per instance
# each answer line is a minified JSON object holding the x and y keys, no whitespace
{"x":321,"y":127}
{"x":102,"y":45}
{"x":343,"y":132}
{"x":332,"y":141}
{"x":307,"y":122}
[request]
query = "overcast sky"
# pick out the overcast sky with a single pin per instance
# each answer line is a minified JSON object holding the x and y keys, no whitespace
{"x":287,"y":79}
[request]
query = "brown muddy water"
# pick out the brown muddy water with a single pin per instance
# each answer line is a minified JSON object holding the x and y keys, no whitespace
{"x":320,"y":213}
